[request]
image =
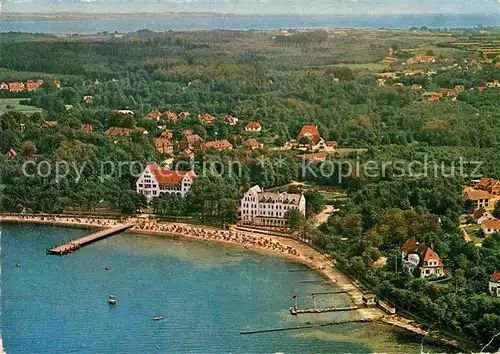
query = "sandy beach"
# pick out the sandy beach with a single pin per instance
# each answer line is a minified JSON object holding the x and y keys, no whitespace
{"x":268,"y":243}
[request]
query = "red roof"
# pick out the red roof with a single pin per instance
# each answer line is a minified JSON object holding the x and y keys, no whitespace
{"x":253,"y":126}
{"x":166,"y":134}
{"x":33,"y":85}
{"x":114,"y":131}
{"x":16,"y":86}
{"x":229,"y":119}
{"x":193,"y":138}
{"x":206,"y":118}
{"x":49,"y":123}
{"x":10,"y":154}
{"x":491,"y":224}
{"x":154,"y":115}
{"x":478,"y":213}
{"x":430,"y":255}
{"x":495,"y":277}
{"x":171,"y":116}
{"x":188,"y":132}
{"x":409,"y":245}
{"x":219,"y":145}
{"x":310,"y":131}
{"x":169,"y":176}
{"x":252,"y":143}
{"x":184,"y":115}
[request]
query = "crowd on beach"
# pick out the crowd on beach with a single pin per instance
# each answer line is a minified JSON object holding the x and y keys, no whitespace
{"x":62,"y":219}
{"x":233,"y":236}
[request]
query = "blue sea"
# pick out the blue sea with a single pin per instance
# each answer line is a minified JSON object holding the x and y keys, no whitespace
{"x":207,"y":294}
{"x":188,"y":23}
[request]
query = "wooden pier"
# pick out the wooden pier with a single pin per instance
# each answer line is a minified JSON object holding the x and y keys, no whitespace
{"x":313,"y":325}
{"x":82,"y":241}
{"x":296,"y":311}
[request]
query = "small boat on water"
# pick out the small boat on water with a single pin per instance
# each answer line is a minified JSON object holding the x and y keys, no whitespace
{"x":111,"y":300}
{"x":158,"y":318}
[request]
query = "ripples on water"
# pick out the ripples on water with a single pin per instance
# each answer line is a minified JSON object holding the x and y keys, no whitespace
{"x":207,"y":293}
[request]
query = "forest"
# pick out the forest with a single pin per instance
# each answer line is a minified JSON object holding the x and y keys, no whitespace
{"x":282,"y":80}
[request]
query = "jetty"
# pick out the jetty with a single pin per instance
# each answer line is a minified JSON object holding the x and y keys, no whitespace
{"x":296,"y":311}
{"x":82,"y":241}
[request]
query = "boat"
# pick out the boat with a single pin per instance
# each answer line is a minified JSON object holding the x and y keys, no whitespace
{"x":158,"y":318}
{"x":111,"y":300}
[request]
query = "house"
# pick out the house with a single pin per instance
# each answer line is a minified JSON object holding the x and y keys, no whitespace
{"x":171,"y":116}
{"x":164,"y":146}
{"x":330,"y":145}
{"x":86,"y":128}
{"x":188,"y":154}
{"x":16,"y":86}
{"x":480,"y":215}
{"x":421,"y":59}
{"x":418,"y":255}
{"x":49,"y":123}
{"x":206,"y":118}
{"x":269,"y":209}
{"x":481,"y":199}
{"x":154,"y":181}
{"x":316,"y":157}
{"x":96,"y":82}
{"x":219,"y":145}
{"x":33,"y":85}
{"x":190,"y":141}
{"x":167,"y":134}
{"x":253,"y":127}
{"x":3,"y":86}
{"x":311,"y":133}
{"x":57,"y":83}
{"x":491,"y":227}
{"x":154,"y":115}
{"x":388,"y":75}
{"x":253,"y":144}
{"x":126,"y":111}
{"x":494,"y":284}
{"x":10,"y":155}
{"x":88,"y":99}
{"x":230,"y":119}
{"x":184,"y":115}
{"x":381,"y":82}
{"x":115,"y":131}
{"x":489,"y":184}
{"x":416,"y":87}
{"x":141,"y":130}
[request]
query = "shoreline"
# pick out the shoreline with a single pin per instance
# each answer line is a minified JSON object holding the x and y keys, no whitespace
{"x":273,"y":245}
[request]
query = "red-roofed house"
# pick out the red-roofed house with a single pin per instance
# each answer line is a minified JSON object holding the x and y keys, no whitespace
{"x":167,"y":134}
{"x":49,"y":123}
{"x":219,"y":145}
{"x":10,"y":155}
{"x":171,"y":116}
{"x":494,"y":284}
{"x":491,"y":227}
{"x":206,"y":118}
{"x":115,"y":131}
{"x":16,"y":86}
{"x":311,"y":133}
{"x":33,"y":85}
{"x":188,"y":154}
{"x":154,"y":115}
{"x":164,"y":146}
{"x":230,"y":119}
{"x":253,"y":144}
{"x":190,"y":141}
{"x":154,"y":181}
{"x":481,"y":199}
{"x":480,"y":215}
{"x":418,"y":254}
{"x":184,"y":115}
{"x":253,"y":127}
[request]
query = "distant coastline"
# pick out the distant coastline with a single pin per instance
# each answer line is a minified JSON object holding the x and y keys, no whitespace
{"x":91,"y":23}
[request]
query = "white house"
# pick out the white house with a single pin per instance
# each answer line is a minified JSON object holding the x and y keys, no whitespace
{"x":154,"y":180}
{"x":4,"y":86}
{"x":269,"y":209}
{"x":491,"y":227}
{"x":418,"y":254}
{"x":494,"y":284}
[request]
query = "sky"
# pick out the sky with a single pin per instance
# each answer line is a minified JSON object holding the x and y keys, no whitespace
{"x":376,"y":7}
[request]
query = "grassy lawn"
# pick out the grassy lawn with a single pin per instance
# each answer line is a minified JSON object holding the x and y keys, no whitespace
{"x":471,"y":229}
{"x":14,"y":105}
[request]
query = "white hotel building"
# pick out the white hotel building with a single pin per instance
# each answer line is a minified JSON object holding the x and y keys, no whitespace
{"x":154,"y":180}
{"x":269,"y":209}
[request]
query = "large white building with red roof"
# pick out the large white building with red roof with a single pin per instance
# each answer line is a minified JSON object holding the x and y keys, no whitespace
{"x":418,"y":254}
{"x":154,"y":181}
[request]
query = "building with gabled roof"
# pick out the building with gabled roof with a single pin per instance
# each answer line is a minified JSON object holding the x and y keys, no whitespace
{"x":190,"y":141}
{"x":164,"y":146}
{"x":86,"y":128}
{"x":154,"y":115}
{"x":253,"y":127}
{"x":218,"y":145}
{"x":3,"y":86}
{"x":417,"y":254}
{"x":253,"y":144}
{"x":33,"y":85}
{"x":154,"y":181}
{"x":481,"y":198}
{"x":206,"y":118}
{"x":16,"y":86}
{"x":171,"y":116}
{"x":494,"y":284}
{"x":11,"y":154}
{"x":491,"y":227}
{"x":230,"y":119}
{"x":269,"y":209}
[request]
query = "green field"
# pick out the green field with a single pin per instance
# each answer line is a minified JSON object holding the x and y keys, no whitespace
{"x":12,"y":104}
